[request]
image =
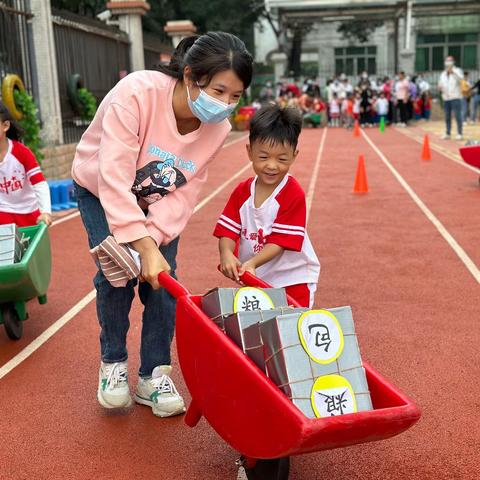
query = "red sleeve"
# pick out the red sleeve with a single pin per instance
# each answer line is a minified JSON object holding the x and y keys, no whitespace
{"x":26,"y":157}
{"x":230,"y":224}
{"x":288,"y":229}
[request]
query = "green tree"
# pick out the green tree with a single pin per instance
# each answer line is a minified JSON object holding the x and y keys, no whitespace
{"x":358,"y":30}
{"x":234,"y":16}
{"x":89,"y":8}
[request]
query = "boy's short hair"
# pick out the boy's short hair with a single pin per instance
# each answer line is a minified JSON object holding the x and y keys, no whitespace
{"x":274,"y":124}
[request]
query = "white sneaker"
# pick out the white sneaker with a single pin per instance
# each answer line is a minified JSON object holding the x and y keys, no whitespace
{"x":160,"y":393}
{"x":113,"y":389}
{"x":459,"y":137}
{"x":446,"y":136}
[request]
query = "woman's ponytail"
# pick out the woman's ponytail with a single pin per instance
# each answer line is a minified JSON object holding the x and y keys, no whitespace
{"x":177,"y":62}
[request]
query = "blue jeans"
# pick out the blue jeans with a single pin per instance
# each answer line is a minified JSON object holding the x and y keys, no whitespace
{"x":465,"y":108}
{"x":476,"y":101}
{"x":454,"y":106}
{"x":113,"y":303}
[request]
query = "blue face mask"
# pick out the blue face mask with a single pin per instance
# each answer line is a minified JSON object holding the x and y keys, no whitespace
{"x":208,"y":109}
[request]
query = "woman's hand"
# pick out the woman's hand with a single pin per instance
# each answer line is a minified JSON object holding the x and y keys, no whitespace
{"x":152,"y":261}
{"x":229,"y":265}
{"x":45,"y":218}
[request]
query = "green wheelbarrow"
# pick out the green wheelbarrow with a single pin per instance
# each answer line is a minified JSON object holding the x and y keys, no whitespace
{"x":25,"y":280}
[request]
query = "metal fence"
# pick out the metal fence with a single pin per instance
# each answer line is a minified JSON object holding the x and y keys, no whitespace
{"x":15,"y":40}
{"x":96,"y":52}
{"x":155,"y":51}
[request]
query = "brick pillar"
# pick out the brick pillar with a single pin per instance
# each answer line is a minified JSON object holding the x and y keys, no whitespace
{"x":46,"y":68}
{"x":177,"y":30}
{"x":130,"y":13}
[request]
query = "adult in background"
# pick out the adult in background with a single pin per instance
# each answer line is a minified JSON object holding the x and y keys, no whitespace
{"x":412,"y":96}
{"x":138,"y":171}
{"x":347,"y":87}
{"x":386,"y":89}
{"x":402,"y":89}
{"x":424,"y":92}
{"x":476,"y":99}
{"x":466,"y":96}
{"x":450,"y":84}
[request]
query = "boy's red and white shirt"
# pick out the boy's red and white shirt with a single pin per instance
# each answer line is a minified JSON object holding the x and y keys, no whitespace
{"x":19,"y":171}
{"x":280,"y":220}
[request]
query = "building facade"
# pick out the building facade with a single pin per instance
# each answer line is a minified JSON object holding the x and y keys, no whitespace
{"x":413,"y":36}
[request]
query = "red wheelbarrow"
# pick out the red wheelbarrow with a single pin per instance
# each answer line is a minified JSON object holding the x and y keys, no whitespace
{"x":471,"y":155}
{"x":251,"y":414}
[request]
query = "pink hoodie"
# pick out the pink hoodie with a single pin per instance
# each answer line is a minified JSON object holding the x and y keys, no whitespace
{"x":132,"y":157}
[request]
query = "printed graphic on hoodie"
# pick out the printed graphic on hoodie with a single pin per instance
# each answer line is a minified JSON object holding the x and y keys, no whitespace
{"x":157,"y":179}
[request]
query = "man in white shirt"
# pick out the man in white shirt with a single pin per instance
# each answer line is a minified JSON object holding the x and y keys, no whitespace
{"x":450,"y":86}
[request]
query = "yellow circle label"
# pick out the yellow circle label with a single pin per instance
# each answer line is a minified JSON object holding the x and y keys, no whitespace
{"x":249,"y":299}
{"x":321,"y":336}
{"x":332,"y":395}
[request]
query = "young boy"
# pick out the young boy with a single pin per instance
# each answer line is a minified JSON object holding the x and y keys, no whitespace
{"x":381,"y":107}
{"x":265,"y":216}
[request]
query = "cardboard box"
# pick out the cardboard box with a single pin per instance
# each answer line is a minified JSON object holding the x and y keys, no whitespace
{"x":11,"y":247}
{"x":315,"y":360}
{"x":243,"y":329}
{"x":220,"y":302}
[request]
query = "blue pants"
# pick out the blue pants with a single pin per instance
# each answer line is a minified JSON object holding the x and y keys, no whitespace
{"x":476,"y":101}
{"x":454,"y":106}
{"x":113,"y":303}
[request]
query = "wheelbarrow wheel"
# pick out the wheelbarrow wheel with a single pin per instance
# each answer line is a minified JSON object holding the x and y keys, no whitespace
{"x":12,"y":323}
{"x":275,"y":469}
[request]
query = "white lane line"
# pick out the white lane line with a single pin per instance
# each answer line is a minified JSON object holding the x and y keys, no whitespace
{"x":220,"y":188}
{"x":49,"y":332}
{"x":55,"y":327}
{"x":467,"y":261}
{"x":72,"y":215}
{"x":313,"y":179}
{"x":442,"y":150}
{"x":65,"y":218}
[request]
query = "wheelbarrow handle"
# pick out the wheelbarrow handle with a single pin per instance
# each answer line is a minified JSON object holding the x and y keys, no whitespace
{"x":251,"y":280}
{"x":172,"y":286}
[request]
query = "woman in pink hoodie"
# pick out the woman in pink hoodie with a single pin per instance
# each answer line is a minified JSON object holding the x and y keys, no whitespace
{"x":138,"y":170}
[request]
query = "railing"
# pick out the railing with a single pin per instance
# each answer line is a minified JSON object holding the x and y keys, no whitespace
{"x":15,"y":40}
{"x":98,"y":53}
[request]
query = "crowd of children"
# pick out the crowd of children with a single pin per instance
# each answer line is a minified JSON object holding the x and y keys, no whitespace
{"x":340,"y":104}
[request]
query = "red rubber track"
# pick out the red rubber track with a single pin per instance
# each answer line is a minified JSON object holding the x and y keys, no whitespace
{"x":415,"y":306}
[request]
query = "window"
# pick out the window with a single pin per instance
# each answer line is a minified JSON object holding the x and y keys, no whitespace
{"x":353,"y":60}
{"x":432,"y":50}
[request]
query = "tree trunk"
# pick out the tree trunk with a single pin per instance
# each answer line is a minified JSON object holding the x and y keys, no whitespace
{"x":294,"y":66}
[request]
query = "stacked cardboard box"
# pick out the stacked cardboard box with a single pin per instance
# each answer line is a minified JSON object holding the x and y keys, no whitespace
{"x":311,"y":355}
{"x":248,"y":339}
{"x":11,"y":246}
{"x":315,"y":360}
{"x":221,"y":302}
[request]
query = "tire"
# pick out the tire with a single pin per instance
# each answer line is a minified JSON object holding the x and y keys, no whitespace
{"x":276,"y":469}
{"x":9,"y":85}
{"x":12,"y":323}
{"x":74,"y":83}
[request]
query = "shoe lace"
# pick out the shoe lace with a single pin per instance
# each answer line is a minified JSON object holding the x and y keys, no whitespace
{"x":164,"y":384}
{"x":117,"y":375}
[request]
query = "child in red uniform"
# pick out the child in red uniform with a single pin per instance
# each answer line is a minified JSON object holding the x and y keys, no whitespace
{"x":24,"y":193}
{"x":266,"y":215}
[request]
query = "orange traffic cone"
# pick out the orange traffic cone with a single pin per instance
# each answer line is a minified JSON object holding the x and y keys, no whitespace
{"x":426,"y":154}
{"x":360,"y":185}
{"x":356,"y":129}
